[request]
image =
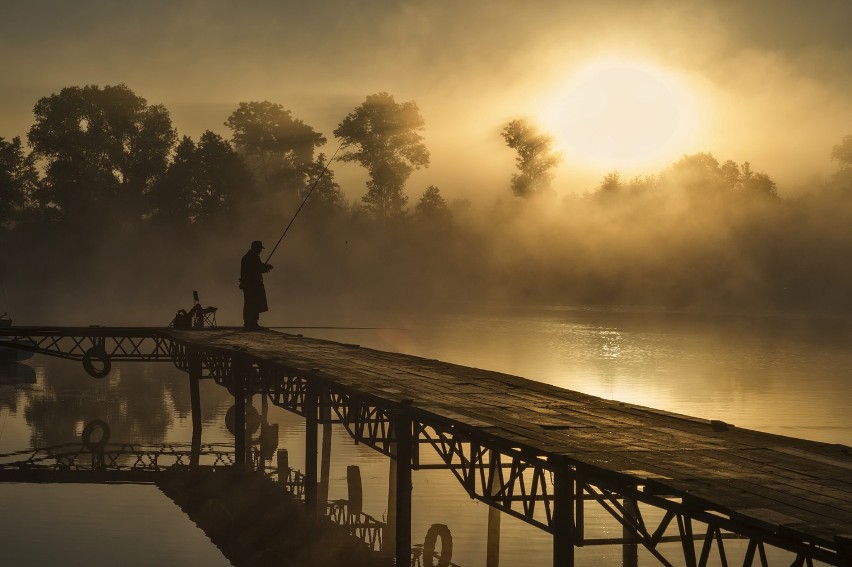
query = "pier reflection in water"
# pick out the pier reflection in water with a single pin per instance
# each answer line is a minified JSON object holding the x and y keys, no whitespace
{"x":80,"y":458}
{"x":144,"y":405}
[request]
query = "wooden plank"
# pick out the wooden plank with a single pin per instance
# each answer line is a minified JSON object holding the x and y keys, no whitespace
{"x":814,"y":457}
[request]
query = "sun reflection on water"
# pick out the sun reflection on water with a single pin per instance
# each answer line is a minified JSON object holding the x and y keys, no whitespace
{"x":611,"y":347}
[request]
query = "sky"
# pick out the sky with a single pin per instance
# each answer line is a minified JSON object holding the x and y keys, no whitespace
{"x":619,"y":85}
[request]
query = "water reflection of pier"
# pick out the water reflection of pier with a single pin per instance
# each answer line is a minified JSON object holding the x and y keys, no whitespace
{"x":197,"y":476}
{"x":541,"y":454}
{"x":110,"y":462}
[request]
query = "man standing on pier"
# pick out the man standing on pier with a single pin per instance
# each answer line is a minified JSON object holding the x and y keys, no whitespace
{"x":251,"y":282}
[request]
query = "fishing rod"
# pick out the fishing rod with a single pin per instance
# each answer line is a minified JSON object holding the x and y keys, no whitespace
{"x":305,"y":200}
{"x":342,"y":328}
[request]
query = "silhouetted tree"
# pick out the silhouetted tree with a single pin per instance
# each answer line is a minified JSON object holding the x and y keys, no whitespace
{"x":698,"y":174}
{"x":18,"y":180}
{"x":278,"y":148}
{"x":701,"y":176}
{"x":633,"y":195}
{"x":843,"y":152}
{"x":432,"y":208}
{"x":611,"y":183}
{"x":755,"y":183}
{"x":728,"y":174}
{"x":536,"y":158}
{"x":327,"y":198}
{"x":841,"y":180}
{"x":222,"y":179}
{"x":203,"y":181}
{"x":103,"y":148}
{"x":383,"y":136}
{"x":171,"y":197}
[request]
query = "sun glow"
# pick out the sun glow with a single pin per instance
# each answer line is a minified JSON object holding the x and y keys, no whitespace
{"x":615,"y":113}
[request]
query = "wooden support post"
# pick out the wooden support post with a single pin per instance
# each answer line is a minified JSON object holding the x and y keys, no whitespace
{"x":563,"y":518}
{"x":311,"y":408}
{"x":493,"y":545}
{"x":629,"y":551}
{"x":238,"y":378}
{"x":389,"y":535}
{"x":684,"y":524}
{"x":495,"y":474}
{"x":195,"y":404}
{"x":326,"y":456}
{"x":844,"y":548}
{"x":402,"y":428}
{"x":579,"y":512}
{"x":355,"y":492}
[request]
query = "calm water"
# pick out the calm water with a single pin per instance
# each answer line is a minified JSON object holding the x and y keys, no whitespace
{"x":774,"y":375}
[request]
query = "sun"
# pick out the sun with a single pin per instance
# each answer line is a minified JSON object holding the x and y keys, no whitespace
{"x":616,"y":113}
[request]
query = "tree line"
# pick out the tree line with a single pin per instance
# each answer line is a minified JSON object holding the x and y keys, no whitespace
{"x":100,"y":153}
{"x":105,"y":184}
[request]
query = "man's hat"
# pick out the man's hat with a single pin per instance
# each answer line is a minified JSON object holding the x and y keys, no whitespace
{"x":257,"y":244}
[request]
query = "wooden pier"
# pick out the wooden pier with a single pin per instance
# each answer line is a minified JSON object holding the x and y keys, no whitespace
{"x":535,"y":451}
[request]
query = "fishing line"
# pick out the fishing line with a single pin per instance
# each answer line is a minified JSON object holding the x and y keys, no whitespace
{"x":342,"y":328}
{"x":5,"y":298}
{"x":305,"y":200}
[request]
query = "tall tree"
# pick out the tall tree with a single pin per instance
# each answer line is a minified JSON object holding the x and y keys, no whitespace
{"x":755,"y":184}
{"x":223,"y":179}
{"x":171,"y":196}
{"x":383,"y":136}
{"x":536,"y":158}
{"x":432,"y":208}
{"x":842,"y":152}
{"x":327,"y":198}
{"x":702,"y":180}
{"x":611,"y":184}
{"x":842,"y":178}
{"x":203,"y":181}
{"x":18,"y":180}
{"x":102,"y":148}
{"x":278,"y":148}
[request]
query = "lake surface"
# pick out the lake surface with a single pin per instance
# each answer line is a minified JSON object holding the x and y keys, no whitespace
{"x":781,"y":375}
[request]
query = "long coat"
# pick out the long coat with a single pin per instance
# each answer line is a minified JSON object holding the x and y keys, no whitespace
{"x":251,"y":282}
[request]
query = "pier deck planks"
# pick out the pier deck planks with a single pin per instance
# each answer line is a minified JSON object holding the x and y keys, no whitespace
{"x":798,"y":487}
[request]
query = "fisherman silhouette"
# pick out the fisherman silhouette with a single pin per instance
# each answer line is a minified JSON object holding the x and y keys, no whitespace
{"x":251,"y":282}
